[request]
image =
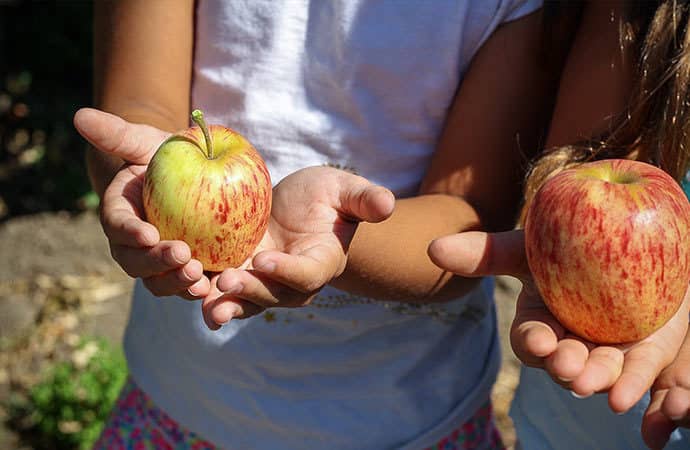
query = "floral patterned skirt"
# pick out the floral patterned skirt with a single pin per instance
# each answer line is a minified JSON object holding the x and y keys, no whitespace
{"x":137,"y":424}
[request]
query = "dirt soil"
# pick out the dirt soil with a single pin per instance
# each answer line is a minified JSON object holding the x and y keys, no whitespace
{"x":58,"y":282}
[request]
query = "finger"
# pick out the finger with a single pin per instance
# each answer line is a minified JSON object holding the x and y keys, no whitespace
{"x":476,"y":253}
{"x":676,"y":405}
{"x":568,"y":360}
{"x":361,"y":200}
{"x":111,"y":134}
{"x":656,"y":427}
{"x":121,"y":213}
{"x":218,"y":308}
{"x":306,"y":272}
{"x":534,"y":333}
{"x":198,"y":290}
{"x":602,"y":369}
{"x":123,"y":228}
{"x":175,"y":282}
{"x":532,"y":341}
{"x":643,"y":363}
{"x":225,"y":308}
{"x":260,"y":290}
{"x":646,"y":360}
{"x":126,"y":229}
{"x":213,"y":296}
{"x":150,"y":261}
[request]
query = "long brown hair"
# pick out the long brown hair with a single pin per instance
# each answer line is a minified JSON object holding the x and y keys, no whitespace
{"x":656,"y":126}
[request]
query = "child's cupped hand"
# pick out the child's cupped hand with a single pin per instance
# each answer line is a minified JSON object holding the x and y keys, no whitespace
{"x":166,"y":267}
{"x":314,"y":215}
{"x":625,"y":372}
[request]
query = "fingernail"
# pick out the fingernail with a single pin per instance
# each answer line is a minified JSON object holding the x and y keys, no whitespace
{"x":197,"y":289}
{"x":187,"y":275}
{"x":578,"y":396}
{"x":565,"y":380}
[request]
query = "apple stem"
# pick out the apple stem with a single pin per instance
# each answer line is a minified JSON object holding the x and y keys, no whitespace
{"x":198,"y":118}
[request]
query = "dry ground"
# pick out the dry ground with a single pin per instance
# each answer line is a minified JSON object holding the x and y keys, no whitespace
{"x":57,"y":282}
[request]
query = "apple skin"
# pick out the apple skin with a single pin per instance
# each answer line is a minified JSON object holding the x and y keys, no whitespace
{"x":608,"y":244}
{"x":219,"y":206}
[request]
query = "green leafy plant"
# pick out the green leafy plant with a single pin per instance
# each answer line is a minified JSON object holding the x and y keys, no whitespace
{"x":68,"y":408}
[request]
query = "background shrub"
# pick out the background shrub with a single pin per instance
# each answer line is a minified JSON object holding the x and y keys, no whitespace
{"x":68,"y":408}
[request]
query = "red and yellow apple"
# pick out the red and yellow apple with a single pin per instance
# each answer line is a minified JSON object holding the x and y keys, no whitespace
{"x":210,"y":188}
{"x":608,"y":244}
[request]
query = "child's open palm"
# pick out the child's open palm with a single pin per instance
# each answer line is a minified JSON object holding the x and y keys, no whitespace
{"x":314,"y":216}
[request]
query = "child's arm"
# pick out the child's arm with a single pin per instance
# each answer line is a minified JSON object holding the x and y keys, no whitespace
{"x":585,"y":106}
{"x":142,"y":68}
{"x":495,"y":125}
{"x":142,"y":72}
{"x":475,"y":182}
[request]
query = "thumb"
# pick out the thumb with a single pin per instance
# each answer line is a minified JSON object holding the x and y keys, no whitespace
{"x":476,"y":253}
{"x":108,"y":133}
{"x":361,"y":200}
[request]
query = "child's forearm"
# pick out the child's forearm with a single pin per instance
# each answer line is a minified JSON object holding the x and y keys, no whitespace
{"x":492,"y":127}
{"x":388,"y":261}
{"x":132,"y":70}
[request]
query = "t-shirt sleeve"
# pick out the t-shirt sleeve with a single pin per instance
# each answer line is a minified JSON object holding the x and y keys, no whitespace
{"x":520,"y":8}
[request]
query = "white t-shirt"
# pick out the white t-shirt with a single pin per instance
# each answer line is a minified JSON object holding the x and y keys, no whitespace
{"x":364,"y":85}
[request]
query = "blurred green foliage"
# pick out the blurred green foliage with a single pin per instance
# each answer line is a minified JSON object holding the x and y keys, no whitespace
{"x":68,"y":408}
{"x":45,"y":76}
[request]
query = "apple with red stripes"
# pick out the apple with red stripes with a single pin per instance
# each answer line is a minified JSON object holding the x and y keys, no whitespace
{"x":210,"y":188}
{"x":608,"y":244}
